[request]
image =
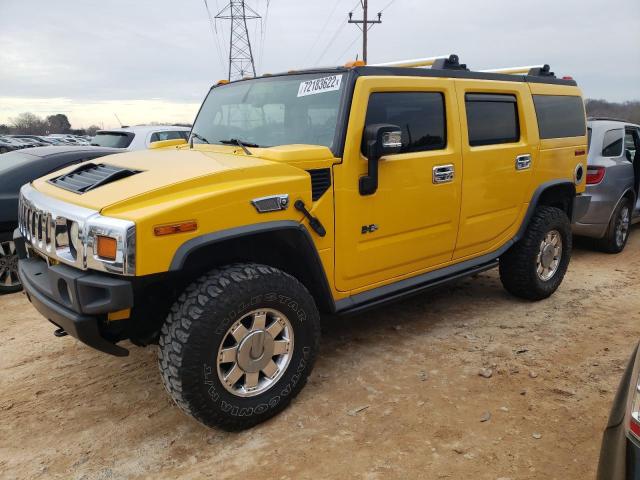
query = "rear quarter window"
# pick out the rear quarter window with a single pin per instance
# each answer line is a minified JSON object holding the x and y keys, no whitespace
{"x":560,"y":116}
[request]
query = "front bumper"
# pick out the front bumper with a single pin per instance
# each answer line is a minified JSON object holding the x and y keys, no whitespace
{"x":77,"y":301}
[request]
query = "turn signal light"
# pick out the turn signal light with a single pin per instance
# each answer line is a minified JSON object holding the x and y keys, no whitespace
{"x":107,"y":247}
{"x":182,"y":227}
{"x":595,"y":175}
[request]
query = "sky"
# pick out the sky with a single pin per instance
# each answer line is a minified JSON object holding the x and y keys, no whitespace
{"x":155,"y":60}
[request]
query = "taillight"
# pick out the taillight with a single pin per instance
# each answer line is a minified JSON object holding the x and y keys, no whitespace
{"x":595,"y":175}
{"x":634,"y":422}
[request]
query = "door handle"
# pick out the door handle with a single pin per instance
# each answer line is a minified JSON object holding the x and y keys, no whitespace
{"x":443,"y":173}
{"x":523,"y":162}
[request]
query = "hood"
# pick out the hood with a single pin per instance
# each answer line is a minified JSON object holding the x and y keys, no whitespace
{"x":167,"y":172}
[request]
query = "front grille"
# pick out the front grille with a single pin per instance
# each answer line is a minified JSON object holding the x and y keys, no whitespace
{"x":89,"y":176}
{"x":320,"y":182}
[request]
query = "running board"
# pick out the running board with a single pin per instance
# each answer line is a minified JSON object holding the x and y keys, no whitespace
{"x":406,"y":288}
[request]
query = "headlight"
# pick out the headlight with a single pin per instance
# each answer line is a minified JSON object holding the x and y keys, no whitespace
{"x":111,"y":245}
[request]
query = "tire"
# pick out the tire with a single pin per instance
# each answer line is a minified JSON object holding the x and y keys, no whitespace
{"x":201,"y":329}
{"x":9,"y":280}
{"x":520,"y":266}
{"x":617,"y":234}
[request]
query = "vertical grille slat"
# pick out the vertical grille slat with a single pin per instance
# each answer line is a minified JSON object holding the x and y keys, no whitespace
{"x":320,"y":182}
{"x":89,"y":176}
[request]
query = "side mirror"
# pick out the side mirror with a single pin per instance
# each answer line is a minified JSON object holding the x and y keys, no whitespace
{"x":379,"y":139}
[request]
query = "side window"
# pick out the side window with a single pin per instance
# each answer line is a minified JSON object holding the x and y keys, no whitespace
{"x":559,"y":116}
{"x":612,"y":143}
{"x":420,"y":115}
{"x":492,"y":119}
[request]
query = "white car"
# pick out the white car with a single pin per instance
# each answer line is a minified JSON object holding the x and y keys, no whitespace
{"x":139,"y":137}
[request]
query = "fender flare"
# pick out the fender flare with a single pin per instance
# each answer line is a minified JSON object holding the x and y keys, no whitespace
{"x":535,"y":200}
{"x":304,"y":246}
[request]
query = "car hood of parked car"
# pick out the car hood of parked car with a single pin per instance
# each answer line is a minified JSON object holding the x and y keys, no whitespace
{"x":176,"y":175}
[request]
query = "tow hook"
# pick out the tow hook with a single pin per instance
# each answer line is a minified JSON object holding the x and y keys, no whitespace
{"x":60,"y":333}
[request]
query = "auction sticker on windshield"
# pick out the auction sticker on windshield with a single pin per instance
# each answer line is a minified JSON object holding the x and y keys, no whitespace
{"x":320,"y":85}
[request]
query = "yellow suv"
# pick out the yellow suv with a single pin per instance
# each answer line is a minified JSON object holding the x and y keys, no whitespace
{"x":322,"y":191}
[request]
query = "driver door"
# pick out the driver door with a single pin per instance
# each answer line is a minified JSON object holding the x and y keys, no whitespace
{"x":410,"y":223}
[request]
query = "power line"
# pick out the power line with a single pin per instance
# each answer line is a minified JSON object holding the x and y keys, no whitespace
{"x":315,"y":42}
{"x":263,"y":33}
{"x":214,"y":32}
{"x":346,"y":49}
{"x":387,"y":6}
{"x":333,"y":39}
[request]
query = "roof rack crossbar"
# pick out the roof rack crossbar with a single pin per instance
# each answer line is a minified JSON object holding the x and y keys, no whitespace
{"x":532,"y":70}
{"x":445,"y":62}
{"x":512,"y":70}
{"x":416,"y":62}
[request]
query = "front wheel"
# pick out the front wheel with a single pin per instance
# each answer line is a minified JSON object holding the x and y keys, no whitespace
{"x":238,"y":345}
{"x":617,"y":234}
{"x":535,"y":266}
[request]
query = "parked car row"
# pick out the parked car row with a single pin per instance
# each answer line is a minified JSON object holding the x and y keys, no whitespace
{"x":9,"y":143}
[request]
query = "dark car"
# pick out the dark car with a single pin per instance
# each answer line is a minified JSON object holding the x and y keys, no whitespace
{"x":620,"y":451}
{"x":16,"y":169}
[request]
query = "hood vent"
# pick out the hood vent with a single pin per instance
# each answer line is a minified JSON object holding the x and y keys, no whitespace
{"x":90,"y":176}
{"x":320,"y":182}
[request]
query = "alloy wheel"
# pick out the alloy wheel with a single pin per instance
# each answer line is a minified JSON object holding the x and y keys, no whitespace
{"x":255,"y":352}
{"x":549,"y":256}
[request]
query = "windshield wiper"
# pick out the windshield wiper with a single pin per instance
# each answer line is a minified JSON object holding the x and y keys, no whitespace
{"x":199,"y":137}
{"x":241,"y":144}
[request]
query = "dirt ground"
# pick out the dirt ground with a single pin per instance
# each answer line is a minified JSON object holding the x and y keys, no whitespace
{"x":395,"y":394}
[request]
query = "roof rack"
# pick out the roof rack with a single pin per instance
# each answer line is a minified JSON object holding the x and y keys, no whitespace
{"x":443,"y":62}
{"x":533,"y":70}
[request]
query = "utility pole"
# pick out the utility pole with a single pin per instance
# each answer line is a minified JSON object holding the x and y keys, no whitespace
{"x":365,"y":24}
{"x":241,"y":61}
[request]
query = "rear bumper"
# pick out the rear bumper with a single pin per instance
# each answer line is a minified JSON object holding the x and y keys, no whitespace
{"x":75,"y":300}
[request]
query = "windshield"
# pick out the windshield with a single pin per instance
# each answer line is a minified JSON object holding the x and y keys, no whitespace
{"x":272,"y":111}
{"x":112,"y":139}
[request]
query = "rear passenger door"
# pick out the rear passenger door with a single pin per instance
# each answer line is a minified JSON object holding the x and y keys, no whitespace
{"x":499,"y":151}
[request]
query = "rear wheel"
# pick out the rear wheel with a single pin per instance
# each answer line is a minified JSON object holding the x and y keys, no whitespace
{"x":617,"y":234}
{"x":9,"y":280}
{"x":535,"y":266}
{"x":238,"y":345}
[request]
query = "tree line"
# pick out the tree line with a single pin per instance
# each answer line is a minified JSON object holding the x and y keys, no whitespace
{"x":31,"y":124}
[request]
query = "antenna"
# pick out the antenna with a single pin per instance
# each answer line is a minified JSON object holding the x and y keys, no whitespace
{"x":240,"y":55}
{"x":119,"y":122}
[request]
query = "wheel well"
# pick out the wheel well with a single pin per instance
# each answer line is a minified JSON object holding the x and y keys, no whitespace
{"x":290,"y":250}
{"x":560,"y":196}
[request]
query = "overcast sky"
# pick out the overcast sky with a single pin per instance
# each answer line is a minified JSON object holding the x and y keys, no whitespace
{"x":152,"y":60}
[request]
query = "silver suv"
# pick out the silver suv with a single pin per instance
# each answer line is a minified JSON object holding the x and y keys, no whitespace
{"x":613,"y":177}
